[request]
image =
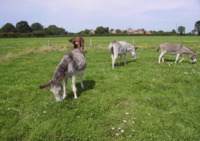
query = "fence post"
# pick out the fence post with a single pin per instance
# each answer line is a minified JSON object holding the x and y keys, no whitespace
{"x":90,"y":42}
{"x":133,"y":42}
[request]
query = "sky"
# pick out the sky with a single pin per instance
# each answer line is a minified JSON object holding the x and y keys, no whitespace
{"x":77,"y":15}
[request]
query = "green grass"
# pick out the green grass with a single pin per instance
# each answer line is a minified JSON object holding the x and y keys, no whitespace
{"x":18,"y":45}
{"x":147,"y":100}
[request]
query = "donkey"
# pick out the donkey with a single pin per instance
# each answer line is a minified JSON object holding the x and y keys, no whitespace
{"x":78,"y":42}
{"x":72,"y":64}
{"x":121,"y":48}
{"x":177,"y":49}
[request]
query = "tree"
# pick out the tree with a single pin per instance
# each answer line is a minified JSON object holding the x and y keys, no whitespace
{"x":197,"y":27}
{"x":23,"y":27}
{"x":102,"y":30}
{"x":36,"y":27}
{"x":8,"y":28}
{"x":173,"y":31}
{"x":124,"y":31}
{"x":118,"y":31}
{"x":181,"y":29}
{"x":86,"y":31}
{"x":54,"y":30}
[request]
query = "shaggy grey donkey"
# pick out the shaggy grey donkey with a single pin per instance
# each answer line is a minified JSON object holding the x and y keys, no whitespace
{"x":177,"y":49}
{"x":121,"y":48}
{"x":72,"y":64}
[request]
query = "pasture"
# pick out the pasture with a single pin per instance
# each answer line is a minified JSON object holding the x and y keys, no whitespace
{"x":143,"y":100}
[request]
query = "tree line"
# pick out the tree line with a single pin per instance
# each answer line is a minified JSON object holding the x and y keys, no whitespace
{"x":23,"y":29}
{"x":180,"y":31}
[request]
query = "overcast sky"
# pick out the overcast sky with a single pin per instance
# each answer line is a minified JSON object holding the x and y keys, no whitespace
{"x":77,"y":15}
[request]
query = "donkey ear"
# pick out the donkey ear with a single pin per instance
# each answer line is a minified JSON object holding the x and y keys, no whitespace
{"x":45,"y":85}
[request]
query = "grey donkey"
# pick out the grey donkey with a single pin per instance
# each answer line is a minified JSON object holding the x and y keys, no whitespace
{"x":177,"y":49}
{"x":121,"y":48}
{"x":72,"y":64}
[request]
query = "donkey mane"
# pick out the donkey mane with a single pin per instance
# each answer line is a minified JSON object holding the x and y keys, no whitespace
{"x":190,"y":49}
{"x":61,"y":70}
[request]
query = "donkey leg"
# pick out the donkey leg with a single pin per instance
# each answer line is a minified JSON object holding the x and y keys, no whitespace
{"x":120,"y":59}
{"x":81,"y":46}
{"x":182,"y":58}
{"x":163,"y":60}
{"x":177,"y":56}
{"x":64,"y":88}
{"x":74,"y":86}
{"x":160,"y":57}
{"x":114,"y":57}
{"x":81,"y":81}
{"x":124,"y":59}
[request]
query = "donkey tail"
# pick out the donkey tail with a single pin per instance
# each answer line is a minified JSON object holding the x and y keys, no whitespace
{"x":82,"y":43}
{"x":111,"y":48}
{"x":158,"y":49}
{"x":45,"y":85}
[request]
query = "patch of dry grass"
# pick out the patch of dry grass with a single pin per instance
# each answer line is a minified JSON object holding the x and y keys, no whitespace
{"x":34,"y":51}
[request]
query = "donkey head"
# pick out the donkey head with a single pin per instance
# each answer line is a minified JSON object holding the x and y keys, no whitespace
{"x":55,"y":88}
{"x":193,"y":57}
{"x":132,"y":50}
{"x":73,"y":41}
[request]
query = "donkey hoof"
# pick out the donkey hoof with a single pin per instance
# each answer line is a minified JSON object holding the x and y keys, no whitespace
{"x":59,"y":100}
{"x":64,"y":96}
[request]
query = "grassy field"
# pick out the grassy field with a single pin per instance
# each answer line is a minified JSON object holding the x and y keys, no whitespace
{"x":143,"y":100}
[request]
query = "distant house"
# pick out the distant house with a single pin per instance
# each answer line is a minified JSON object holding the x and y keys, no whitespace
{"x":139,"y":31}
{"x":112,"y":31}
{"x":92,"y":31}
{"x":148,"y":32}
{"x":130,"y":31}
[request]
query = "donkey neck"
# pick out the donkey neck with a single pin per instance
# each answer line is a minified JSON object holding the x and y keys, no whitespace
{"x":187,"y":51}
{"x":61,"y":71}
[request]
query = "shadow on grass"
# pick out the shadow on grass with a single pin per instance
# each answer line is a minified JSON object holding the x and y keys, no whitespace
{"x":183,"y":62}
{"x":117,"y":64}
{"x":169,"y":60}
{"x":88,"y":85}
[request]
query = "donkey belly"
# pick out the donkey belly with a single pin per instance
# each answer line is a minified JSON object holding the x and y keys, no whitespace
{"x":74,"y":69}
{"x":172,"y":53}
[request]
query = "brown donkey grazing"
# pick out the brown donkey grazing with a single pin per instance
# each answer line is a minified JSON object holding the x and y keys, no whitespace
{"x":78,"y":42}
{"x":72,"y":64}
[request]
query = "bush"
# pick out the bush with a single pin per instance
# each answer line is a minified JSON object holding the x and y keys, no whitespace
{"x":9,"y":35}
